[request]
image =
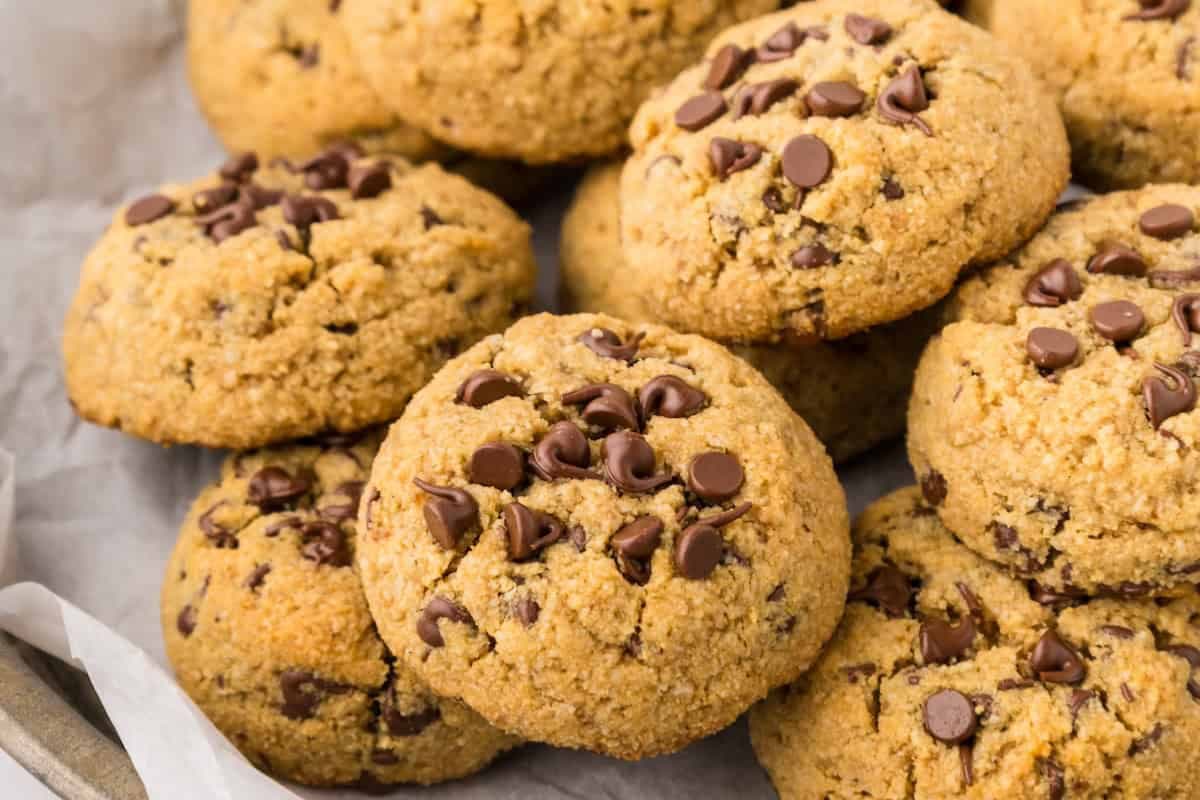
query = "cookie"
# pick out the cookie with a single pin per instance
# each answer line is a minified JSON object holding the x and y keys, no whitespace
{"x":1127,"y":77}
{"x":853,"y":392}
{"x":603,"y":535}
{"x":1054,"y":424}
{"x":948,"y":678}
{"x":543,"y":82}
{"x":832,"y":168}
{"x":267,"y":628}
{"x":278,"y":77}
{"x":266,"y":303}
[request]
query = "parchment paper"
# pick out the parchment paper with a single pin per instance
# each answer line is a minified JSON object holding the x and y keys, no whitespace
{"x":95,"y":110}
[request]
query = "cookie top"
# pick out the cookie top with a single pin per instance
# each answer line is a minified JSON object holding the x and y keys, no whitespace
{"x":266,"y":625}
{"x":1057,"y":419}
{"x":833,"y":167}
{"x":852,"y":392}
{"x":267,"y":303}
{"x":542,"y":82}
{"x":278,"y":77}
{"x":947,"y":679}
{"x":603,"y":535}
{"x":1127,"y":77}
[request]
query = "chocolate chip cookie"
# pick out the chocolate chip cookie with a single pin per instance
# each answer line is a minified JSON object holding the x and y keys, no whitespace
{"x":541,"y":82}
{"x":832,"y":168}
{"x":948,"y":678}
{"x":1055,"y":425}
{"x":265,"y":622}
{"x":853,"y":392}
{"x":278,"y":77}
{"x":603,"y":535}
{"x":1126,"y":75}
{"x":273,"y":301}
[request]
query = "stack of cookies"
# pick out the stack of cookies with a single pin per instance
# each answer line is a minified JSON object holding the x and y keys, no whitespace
{"x":620,"y":528}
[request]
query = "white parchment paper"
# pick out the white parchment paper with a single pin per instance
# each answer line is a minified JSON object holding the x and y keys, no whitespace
{"x":94,"y":110}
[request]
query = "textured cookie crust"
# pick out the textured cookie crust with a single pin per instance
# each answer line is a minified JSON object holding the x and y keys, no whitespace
{"x":278,"y":77}
{"x":275,"y":333}
{"x":855,"y":726}
{"x":265,"y":622}
{"x":1060,"y":471}
{"x":853,"y":393}
{"x":596,"y":639}
{"x":1129,"y":89}
{"x":541,"y":81}
{"x":888,"y":215}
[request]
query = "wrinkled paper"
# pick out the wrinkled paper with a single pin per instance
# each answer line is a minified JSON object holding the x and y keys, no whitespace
{"x":95,"y":111}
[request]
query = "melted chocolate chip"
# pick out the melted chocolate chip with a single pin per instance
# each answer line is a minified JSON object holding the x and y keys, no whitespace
{"x":1192,"y":656}
{"x":185,"y":623}
{"x":671,"y":397}
{"x":606,"y":406}
{"x":369,"y":180}
{"x":527,"y":610}
{"x":729,"y":157}
{"x":563,"y":453}
{"x":257,"y":577}
{"x":239,"y":166}
{"x":942,"y":643}
{"x":1186,"y":314}
{"x":757,"y":98}
{"x":629,"y":463}
{"x":1054,"y":661}
{"x":934,"y":488}
{"x":529,"y":531}
{"x":304,"y":212}
{"x":781,"y":44}
{"x":634,"y":545}
{"x":1115,"y":258}
{"x":1170,"y":395}
{"x":866,"y":30}
{"x":904,"y":98}
{"x":450,"y":514}
{"x":1053,"y":285}
{"x":887,"y":588}
{"x":439,"y":608}
{"x":325,"y":543}
{"x":498,"y":465}
{"x":607,"y":344}
{"x":486,"y":386}
{"x":400,"y":724}
{"x":273,"y":488}
{"x":1159,"y":9}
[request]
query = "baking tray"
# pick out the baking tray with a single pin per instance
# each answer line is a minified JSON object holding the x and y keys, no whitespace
{"x":52,"y":724}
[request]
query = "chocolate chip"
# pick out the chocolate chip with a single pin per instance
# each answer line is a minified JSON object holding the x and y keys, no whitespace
{"x":671,"y":397}
{"x":942,"y":643}
{"x":701,"y":111}
{"x":1004,"y":537}
{"x":757,"y":98}
{"x":256,"y":578}
{"x":1119,"y":321}
{"x":1013,"y":684}
{"x":325,"y":544}
{"x":1055,"y":779}
{"x":834,"y":99}
{"x":1127,"y":693}
{"x":383,"y":758}
{"x":369,"y":180}
{"x":304,"y":212}
{"x":729,"y":156}
{"x":275,"y":528}
{"x":1054,"y":284}
{"x":309,"y":56}
{"x":1186,"y":314}
{"x":1051,"y":348}
{"x":698,"y":550}
{"x":563,"y":453}
{"x":1192,"y":656}
{"x":888,"y":588}
{"x":529,"y":531}
{"x":715,"y":477}
{"x":329,"y":170}
{"x":773,"y":199}
{"x":807,"y":161}
{"x":934,"y":488}
{"x":302,"y":692}
{"x":608,"y":344}
{"x":400,"y":724}
{"x":450,"y":514}
{"x":1117,"y":631}
{"x":1172,"y":394}
{"x":727,"y":66}
{"x":219,"y":535}
{"x":867,"y":30}
{"x":258,"y":197}
{"x":272,"y":488}
{"x":606,"y":406}
{"x":1077,"y":700}
{"x":892,"y":190}
{"x":1043,"y":595}
{"x":966,"y":759}
{"x":949,"y":717}
{"x":486,"y":386}
{"x":629,"y":463}
{"x":856,"y":671}
{"x":1167,"y":221}
{"x":813,"y":256}
{"x":211,"y":199}
{"x":1115,"y":258}
{"x":1148,"y":741}
{"x":430,"y":218}
{"x":1174,"y":279}
{"x":578,"y":537}
{"x":904,"y":98}
{"x":1159,"y":9}
{"x":1054,"y":661}
{"x":239,"y":166}
{"x":352,"y":491}
{"x":186,"y":621}
{"x":498,"y":465}
{"x":781,"y":44}
{"x":439,"y":608}
{"x":228,"y":221}
{"x":634,"y":545}
{"x":148,"y":209}
{"x":527,"y":610}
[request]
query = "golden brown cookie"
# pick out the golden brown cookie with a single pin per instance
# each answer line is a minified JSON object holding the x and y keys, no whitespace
{"x":949,"y":679}
{"x":603,"y":535}
{"x":270,"y":302}
{"x":267,"y":628}
{"x":543,"y":82}
{"x":1126,"y":75}
{"x":1055,"y":425}
{"x":852,"y":392}
{"x":832,"y":168}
